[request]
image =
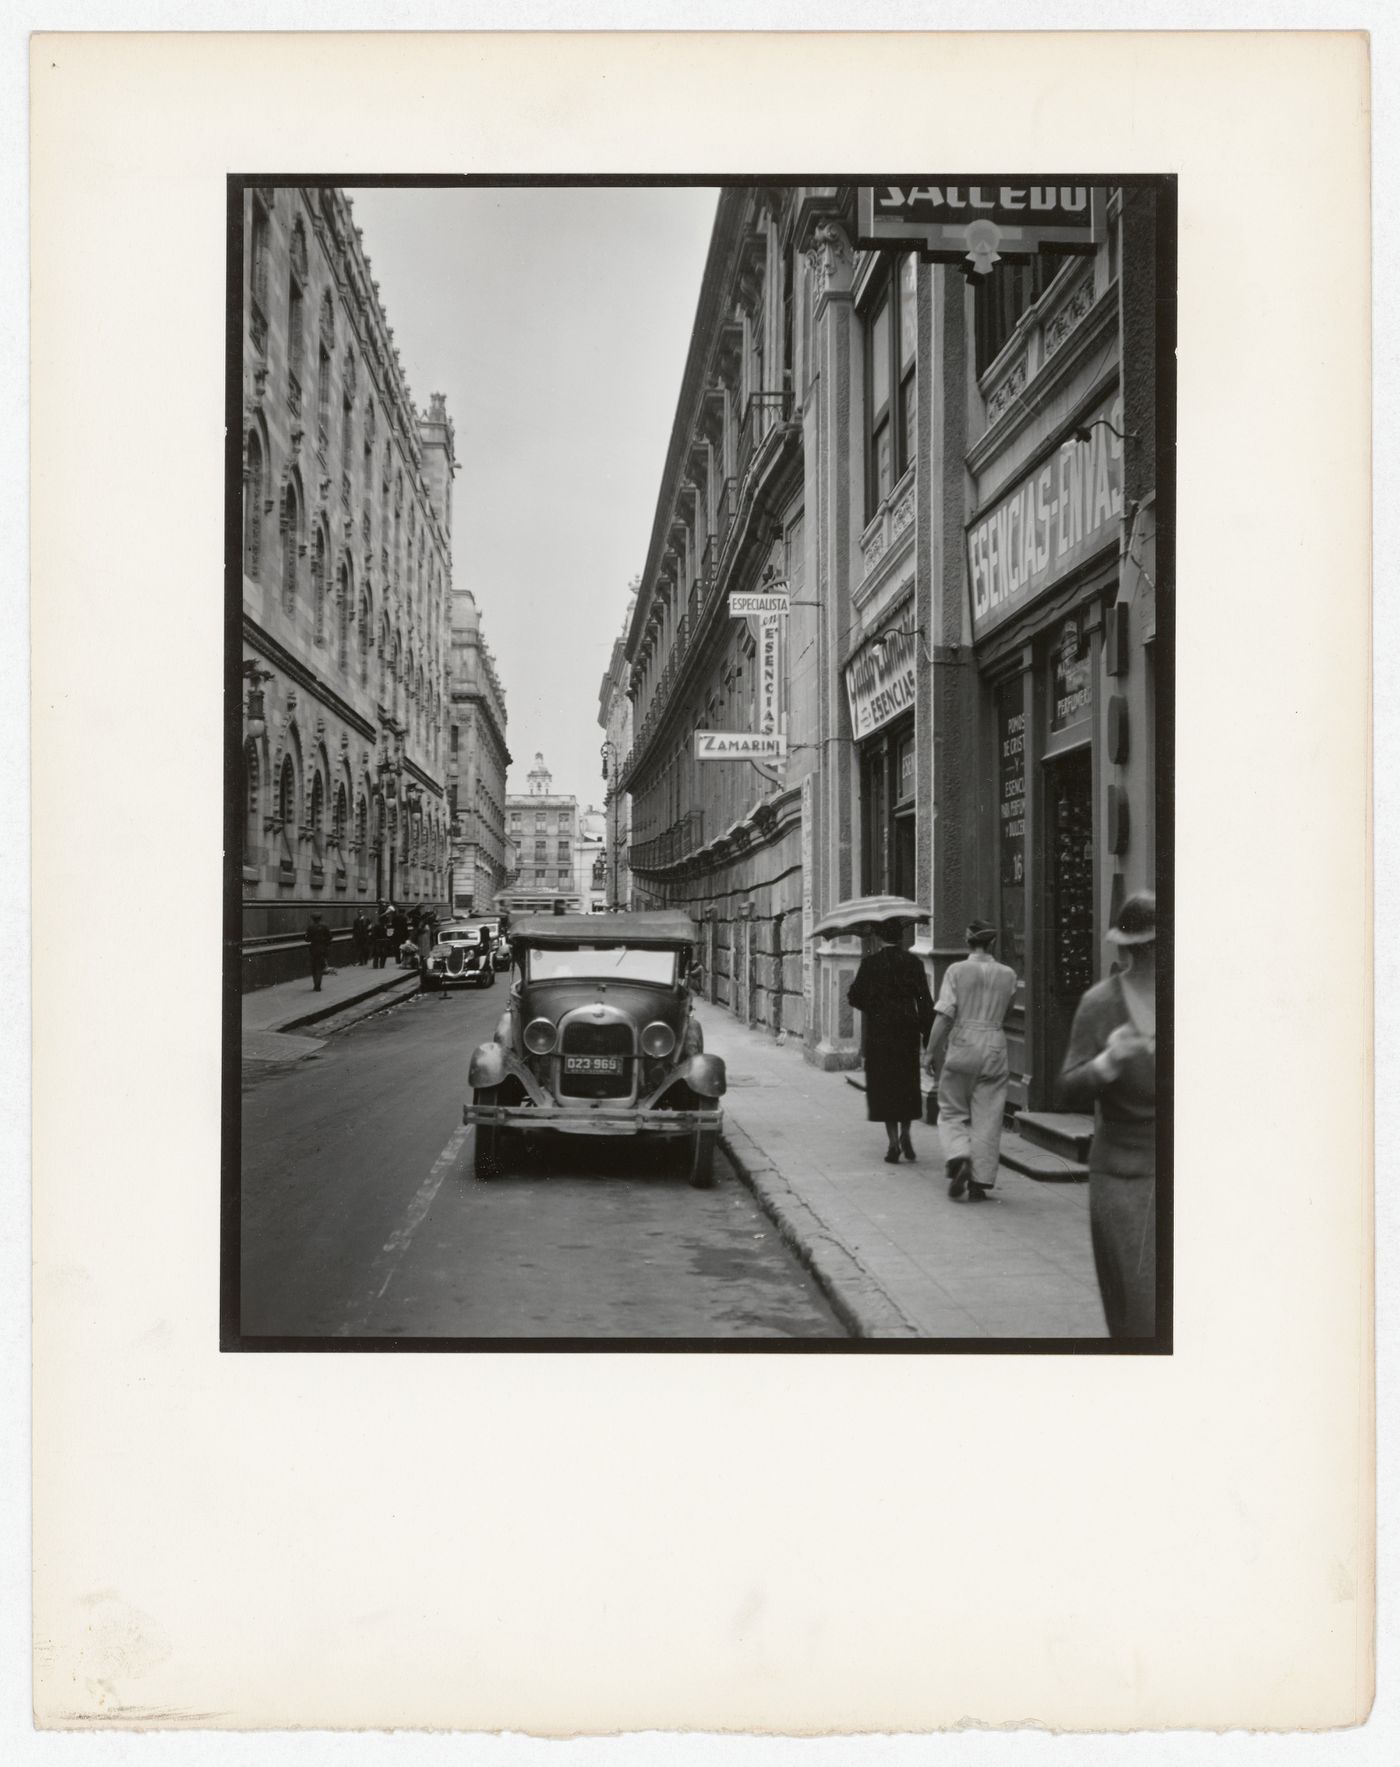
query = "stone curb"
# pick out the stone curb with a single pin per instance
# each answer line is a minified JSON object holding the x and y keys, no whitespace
{"x":346,"y":1005}
{"x":862,"y":1306}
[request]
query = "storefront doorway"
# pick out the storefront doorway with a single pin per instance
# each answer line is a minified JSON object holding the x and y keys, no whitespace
{"x":887,"y":811}
{"x":1069,"y":899}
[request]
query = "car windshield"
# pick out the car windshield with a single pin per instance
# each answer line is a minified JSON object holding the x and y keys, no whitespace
{"x":632,"y":963}
{"x":459,"y":935}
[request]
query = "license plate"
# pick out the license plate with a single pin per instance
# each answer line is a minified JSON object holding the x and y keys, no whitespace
{"x":592,"y":1064}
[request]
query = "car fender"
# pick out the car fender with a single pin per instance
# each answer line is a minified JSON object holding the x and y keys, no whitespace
{"x":488,"y":1066}
{"x":704,"y":1074}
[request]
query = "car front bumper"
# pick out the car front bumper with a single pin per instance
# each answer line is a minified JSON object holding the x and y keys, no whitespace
{"x":592,"y":1119}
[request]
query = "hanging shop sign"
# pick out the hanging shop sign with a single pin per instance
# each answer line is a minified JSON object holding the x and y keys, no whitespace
{"x":880,"y":682}
{"x":769,"y":629}
{"x":739,"y":745}
{"x":1049,"y":522}
{"x":767,"y":602}
{"x":978,"y":222}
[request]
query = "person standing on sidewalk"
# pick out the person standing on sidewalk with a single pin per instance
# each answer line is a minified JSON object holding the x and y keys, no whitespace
{"x":1111,"y":1065}
{"x":891,"y":991}
{"x":972,"y":1007}
{"x":318,"y":936}
{"x":360,"y":931}
{"x":379,"y":938}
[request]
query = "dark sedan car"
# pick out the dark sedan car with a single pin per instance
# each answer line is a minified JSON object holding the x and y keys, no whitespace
{"x":461,"y":957}
{"x":599,"y":1039}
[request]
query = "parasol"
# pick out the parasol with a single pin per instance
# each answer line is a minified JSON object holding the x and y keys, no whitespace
{"x":864,"y":912}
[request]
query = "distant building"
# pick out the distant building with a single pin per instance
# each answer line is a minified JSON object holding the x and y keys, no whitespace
{"x":591,"y":861}
{"x":542,"y":826}
{"x":346,"y":577}
{"x":615,"y":717}
{"x":476,"y":766}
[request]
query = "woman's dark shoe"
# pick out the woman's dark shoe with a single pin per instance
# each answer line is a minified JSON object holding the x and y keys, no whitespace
{"x":977,"y":1193}
{"x":892,"y":1154}
{"x":957,"y":1177}
{"x":906,"y":1146}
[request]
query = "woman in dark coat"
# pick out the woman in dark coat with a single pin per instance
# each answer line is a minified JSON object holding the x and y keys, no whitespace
{"x":891,"y":991}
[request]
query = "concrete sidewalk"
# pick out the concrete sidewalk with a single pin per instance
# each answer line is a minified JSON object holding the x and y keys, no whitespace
{"x":896,"y":1255}
{"x":270,"y":1013}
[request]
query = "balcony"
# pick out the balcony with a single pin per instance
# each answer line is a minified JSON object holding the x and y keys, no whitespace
{"x":724,"y":514}
{"x":677,"y":843}
{"x":763,"y":413}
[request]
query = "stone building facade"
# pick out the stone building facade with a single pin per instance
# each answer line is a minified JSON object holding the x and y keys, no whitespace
{"x":542,"y":828}
{"x":476,"y":767}
{"x":965,"y":719}
{"x":346,"y":587}
{"x":615,"y":717}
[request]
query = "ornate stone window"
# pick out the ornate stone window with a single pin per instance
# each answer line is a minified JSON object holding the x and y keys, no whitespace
{"x":287,"y":795}
{"x":343,"y":611}
{"x":252,"y":818}
{"x":291,"y":547}
{"x":253,"y":490}
{"x":318,"y":587}
{"x":257,"y":275}
{"x":296,"y":319}
{"x":366,"y":615}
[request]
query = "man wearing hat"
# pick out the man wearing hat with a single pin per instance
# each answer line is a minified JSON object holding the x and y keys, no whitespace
{"x":971,"y":1009}
{"x":1110,"y":1067}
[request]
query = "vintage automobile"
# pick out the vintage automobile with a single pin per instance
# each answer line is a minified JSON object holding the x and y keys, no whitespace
{"x":461,"y":958}
{"x":598,"y":1039}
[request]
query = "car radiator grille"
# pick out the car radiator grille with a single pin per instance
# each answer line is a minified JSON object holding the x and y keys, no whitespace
{"x":585,"y":1039}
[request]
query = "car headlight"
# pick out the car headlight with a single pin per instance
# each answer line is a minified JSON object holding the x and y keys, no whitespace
{"x":658,"y":1039}
{"x":540,"y":1035}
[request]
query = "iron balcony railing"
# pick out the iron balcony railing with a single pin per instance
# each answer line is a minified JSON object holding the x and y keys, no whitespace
{"x":763,"y":413}
{"x":724,"y":514}
{"x":682,"y":838}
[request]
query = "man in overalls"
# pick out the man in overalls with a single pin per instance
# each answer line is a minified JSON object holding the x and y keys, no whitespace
{"x":970,"y":1011}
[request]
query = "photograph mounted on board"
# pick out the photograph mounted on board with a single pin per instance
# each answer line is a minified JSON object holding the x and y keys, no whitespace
{"x":723,"y":916}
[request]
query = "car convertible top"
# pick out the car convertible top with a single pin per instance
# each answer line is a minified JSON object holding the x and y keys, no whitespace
{"x":659,"y":928}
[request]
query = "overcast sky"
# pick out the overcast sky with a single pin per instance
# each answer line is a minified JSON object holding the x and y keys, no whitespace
{"x":556,"y":321}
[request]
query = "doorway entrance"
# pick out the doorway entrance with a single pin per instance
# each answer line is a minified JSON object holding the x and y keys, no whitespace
{"x":1069,"y":899}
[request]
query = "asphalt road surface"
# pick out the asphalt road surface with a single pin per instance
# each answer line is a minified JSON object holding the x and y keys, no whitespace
{"x":361,"y":1217}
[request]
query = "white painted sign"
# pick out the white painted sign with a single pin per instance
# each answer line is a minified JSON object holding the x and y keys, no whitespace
{"x":742,"y":606}
{"x":768,"y":676}
{"x":739,"y":745}
{"x":880,"y":681}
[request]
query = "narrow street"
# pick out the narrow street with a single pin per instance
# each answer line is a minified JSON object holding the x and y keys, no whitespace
{"x":361,"y":1216}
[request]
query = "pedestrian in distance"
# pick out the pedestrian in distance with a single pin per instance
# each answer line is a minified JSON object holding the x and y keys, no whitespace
{"x":891,"y":992}
{"x":360,"y":933}
{"x":971,"y":1010}
{"x":1111,"y":1067}
{"x":379,"y":939}
{"x":318,"y":937}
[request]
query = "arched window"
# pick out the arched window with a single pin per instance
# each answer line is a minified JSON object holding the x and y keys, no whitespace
{"x":296,"y":318}
{"x":318,"y":586}
{"x":361,"y":821}
{"x":342,"y":602}
{"x":341,"y":815}
{"x":252,"y":821}
{"x":318,"y":805}
{"x":257,"y":277}
{"x":291,"y":546}
{"x":365,"y":619}
{"x":287,"y":795}
{"x":253,"y":506}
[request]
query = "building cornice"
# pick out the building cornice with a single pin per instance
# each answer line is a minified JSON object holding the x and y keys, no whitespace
{"x":303,"y":675}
